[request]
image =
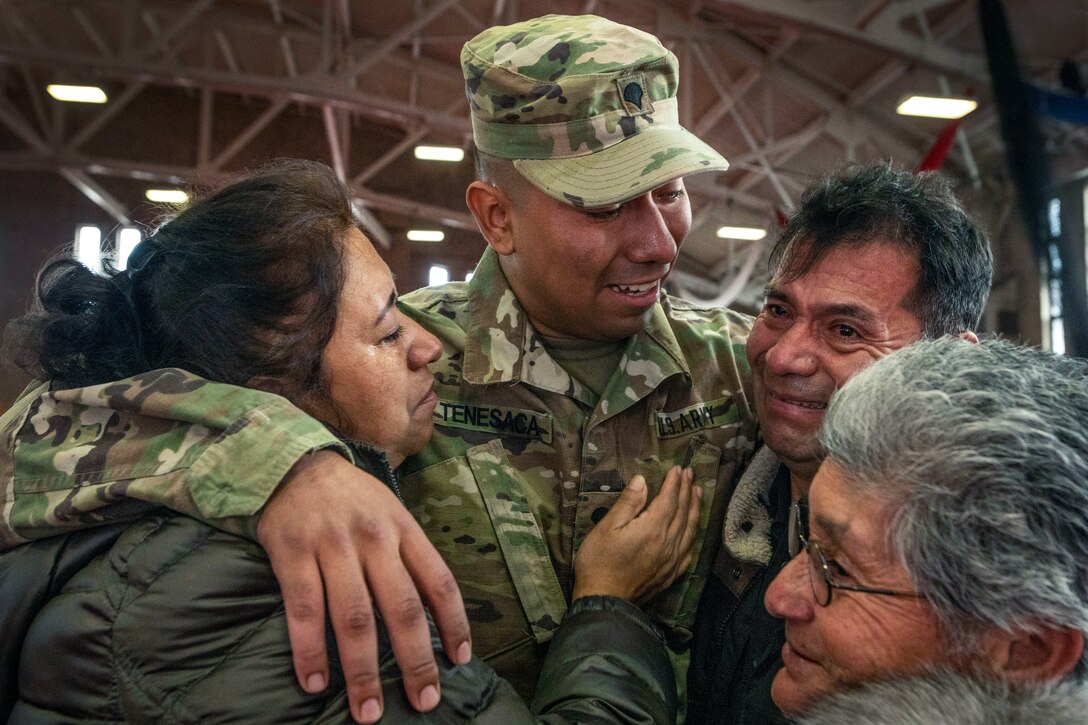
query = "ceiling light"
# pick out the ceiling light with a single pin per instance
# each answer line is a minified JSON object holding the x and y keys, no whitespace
{"x":752,"y":234}
{"x":76,"y":94}
{"x":425,"y":235}
{"x":167,"y":196}
{"x":936,"y":107}
{"x":440,"y":153}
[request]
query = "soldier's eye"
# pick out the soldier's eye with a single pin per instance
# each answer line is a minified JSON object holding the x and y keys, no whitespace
{"x":604,"y":214}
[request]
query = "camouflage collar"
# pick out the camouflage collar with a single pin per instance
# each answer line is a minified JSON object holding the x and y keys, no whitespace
{"x":503,"y":347}
{"x":498,"y":326}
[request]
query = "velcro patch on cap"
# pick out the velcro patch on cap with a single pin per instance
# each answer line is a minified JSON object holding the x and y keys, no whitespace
{"x":636,"y":99}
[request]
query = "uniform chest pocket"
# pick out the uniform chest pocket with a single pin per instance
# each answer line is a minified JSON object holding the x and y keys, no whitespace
{"x":676,"y":606}
{"x":474,"y":511}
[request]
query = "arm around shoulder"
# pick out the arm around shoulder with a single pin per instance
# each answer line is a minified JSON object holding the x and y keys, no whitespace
{"x":86,"y":456}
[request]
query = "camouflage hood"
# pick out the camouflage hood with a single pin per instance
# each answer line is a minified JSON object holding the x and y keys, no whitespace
{"x":584,"y":106}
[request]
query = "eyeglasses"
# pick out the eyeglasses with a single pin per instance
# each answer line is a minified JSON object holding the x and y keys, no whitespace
{"x":822,"y":574}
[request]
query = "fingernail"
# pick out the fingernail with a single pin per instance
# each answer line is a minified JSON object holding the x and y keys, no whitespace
{"x":315,"y":682}
{"x":637,"y":483}
{"x":428,"y":697}
{"x":464,"y":653}
{"x":370,"y":710}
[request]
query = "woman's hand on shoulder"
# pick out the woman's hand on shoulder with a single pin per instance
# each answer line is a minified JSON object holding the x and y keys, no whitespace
{"x":339,"y":537}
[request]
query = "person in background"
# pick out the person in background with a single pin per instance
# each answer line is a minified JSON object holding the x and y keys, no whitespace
{"x":565,"y":372}
{"x":947,"y":530}
{"x":268,"y":283}
{"x":873,"y":259}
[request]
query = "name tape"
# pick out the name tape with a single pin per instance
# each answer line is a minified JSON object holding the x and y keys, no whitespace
{"x":494,"y":419}
{"x":700,"y":416}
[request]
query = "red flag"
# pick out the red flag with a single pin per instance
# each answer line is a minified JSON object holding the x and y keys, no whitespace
{"x":935,"y":157}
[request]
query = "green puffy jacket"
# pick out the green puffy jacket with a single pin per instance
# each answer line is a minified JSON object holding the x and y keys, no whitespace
{"x":169,"y":620}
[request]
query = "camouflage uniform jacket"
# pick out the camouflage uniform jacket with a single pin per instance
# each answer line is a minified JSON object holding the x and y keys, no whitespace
{"x":524,"y":460}
{"x":75,"y":458}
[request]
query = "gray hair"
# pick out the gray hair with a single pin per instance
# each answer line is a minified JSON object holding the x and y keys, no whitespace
{"x":862,"y":205}
{"x":982,"y":452}
{"x":950,"y":697}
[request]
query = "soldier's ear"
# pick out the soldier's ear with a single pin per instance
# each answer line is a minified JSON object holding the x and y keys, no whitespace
{"x":492,"y":210}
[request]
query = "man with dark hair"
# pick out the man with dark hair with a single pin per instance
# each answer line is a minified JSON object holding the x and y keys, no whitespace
{"x":947,"y":529}
{"x":918,"y":213}
{"x":566,"y":372}
{"x":873,"y":260}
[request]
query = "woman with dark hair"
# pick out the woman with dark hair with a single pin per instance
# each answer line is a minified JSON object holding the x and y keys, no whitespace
{"x":266,"y":283}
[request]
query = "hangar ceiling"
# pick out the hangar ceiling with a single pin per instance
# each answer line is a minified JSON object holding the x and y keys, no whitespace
{"x":785,"y":89}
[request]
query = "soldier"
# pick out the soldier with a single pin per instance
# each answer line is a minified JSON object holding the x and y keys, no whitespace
{"x":166,"y":619}
{"x":565,"y":372}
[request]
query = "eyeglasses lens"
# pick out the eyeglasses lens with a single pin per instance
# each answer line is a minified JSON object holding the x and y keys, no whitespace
{"x":798,"y":540}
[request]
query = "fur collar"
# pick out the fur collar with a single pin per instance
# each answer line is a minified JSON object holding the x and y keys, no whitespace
{"x":747,"y":530}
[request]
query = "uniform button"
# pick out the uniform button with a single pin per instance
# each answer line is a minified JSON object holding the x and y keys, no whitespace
{"x":598,"y":514}
{"x":736,"y":572}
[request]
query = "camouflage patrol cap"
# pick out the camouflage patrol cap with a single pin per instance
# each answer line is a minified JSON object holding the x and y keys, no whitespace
{"x":584,"y":106}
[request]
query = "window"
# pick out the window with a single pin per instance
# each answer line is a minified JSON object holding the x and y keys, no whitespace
{"x":88,"y":247}
{"x":1053,"y":315}
{"x":437,"y":274}
{"x":127,"y":240}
